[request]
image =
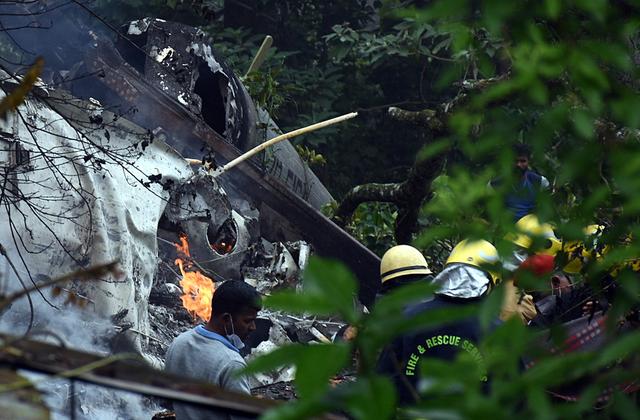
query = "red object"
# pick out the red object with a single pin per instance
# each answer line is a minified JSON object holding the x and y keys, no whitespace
{"x":539,"y":264}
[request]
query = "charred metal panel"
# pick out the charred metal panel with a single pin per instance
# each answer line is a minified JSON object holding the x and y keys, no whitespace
{"x":179,"y":61}
{"x":328,"y":239}
{"x":190,"y":134}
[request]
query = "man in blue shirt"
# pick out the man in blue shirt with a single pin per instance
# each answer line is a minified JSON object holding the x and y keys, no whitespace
{"x":211,"y":352}
{"x":521,"y":199}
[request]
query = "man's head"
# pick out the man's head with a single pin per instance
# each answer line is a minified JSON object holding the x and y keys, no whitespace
{"x":234,"y":308}
{"x":480,"y":254}
{"x":523,"y":155}
{"x":560,"y":284}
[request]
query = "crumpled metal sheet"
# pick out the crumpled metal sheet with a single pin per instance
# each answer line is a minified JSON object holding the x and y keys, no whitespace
{"x":283,"y":265}
{"x":199,"y":198}
{"x":97,"y":209}
{"x":199,"y":208}
{"x":278,"y":265}
{"x":174,"y":54}
{"x":461,"y":281}
{"x":138,"y":27}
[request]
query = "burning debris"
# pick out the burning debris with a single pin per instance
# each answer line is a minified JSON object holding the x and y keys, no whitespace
{"x":197,"y":289}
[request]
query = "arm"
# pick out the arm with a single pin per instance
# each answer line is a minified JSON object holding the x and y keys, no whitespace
{"x":231,"y":382}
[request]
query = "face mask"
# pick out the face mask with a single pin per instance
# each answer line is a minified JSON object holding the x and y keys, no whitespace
{"x":233,"y":337}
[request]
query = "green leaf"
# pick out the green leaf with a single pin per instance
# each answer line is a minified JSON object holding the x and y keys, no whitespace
{"x":397,"y":300}
{"x":283,"y":356}
{"x":490,"y":308}
{"x":597,"y":8}
{"x":312,"y":377}
{"x":625,"y":346}
{"x":299,"y":409}
{"x":553,"y":8}
{"x":624,"y":407}
{"x":370,"y":397}
{"x":583,"y":124}
{"x":300,"y":303}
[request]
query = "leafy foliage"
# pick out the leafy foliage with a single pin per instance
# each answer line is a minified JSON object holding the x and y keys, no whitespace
{"x":310,"y":156}
{"x":372,"y":224}
{"x":570,"y":92}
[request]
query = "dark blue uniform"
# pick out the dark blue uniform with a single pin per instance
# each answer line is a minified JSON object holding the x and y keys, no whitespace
{"x":401,"y":360}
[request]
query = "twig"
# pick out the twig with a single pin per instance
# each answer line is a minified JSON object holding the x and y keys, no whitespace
{"x":89,"y":274}
{"x":148,"y":336}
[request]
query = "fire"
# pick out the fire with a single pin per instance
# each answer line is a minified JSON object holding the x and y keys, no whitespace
{"x":197,"y":288}
{"x":222,"y":248}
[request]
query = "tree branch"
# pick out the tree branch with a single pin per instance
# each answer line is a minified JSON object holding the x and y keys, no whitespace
{"x":387,"y":193}
{"x":409,"y":195}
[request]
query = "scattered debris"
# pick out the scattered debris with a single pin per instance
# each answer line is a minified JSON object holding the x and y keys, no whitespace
{"x":276,"y":391}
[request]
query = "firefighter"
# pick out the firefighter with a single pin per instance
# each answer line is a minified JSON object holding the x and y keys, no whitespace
{"x":465,"y":280}
{"x":533,"y":237}
{"x":400,"y":265}
{"x":536,"y":246}
{"x":565,"y":299}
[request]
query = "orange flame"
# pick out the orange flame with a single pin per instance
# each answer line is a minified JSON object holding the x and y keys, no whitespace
{"x":197,"y":288}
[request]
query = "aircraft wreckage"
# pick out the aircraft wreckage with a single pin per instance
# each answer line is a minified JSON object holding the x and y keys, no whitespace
{"x":108,"y":159}
{"x":99,"y":164}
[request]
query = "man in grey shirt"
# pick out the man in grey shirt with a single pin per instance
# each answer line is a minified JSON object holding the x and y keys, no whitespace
{"x":211,"y":352}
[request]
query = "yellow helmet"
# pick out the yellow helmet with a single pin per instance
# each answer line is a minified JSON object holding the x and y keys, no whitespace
{"x":402,"y":260}
{"x":578,"y":252}
{"x":529,"y":227}
{"x":479,"y":254}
